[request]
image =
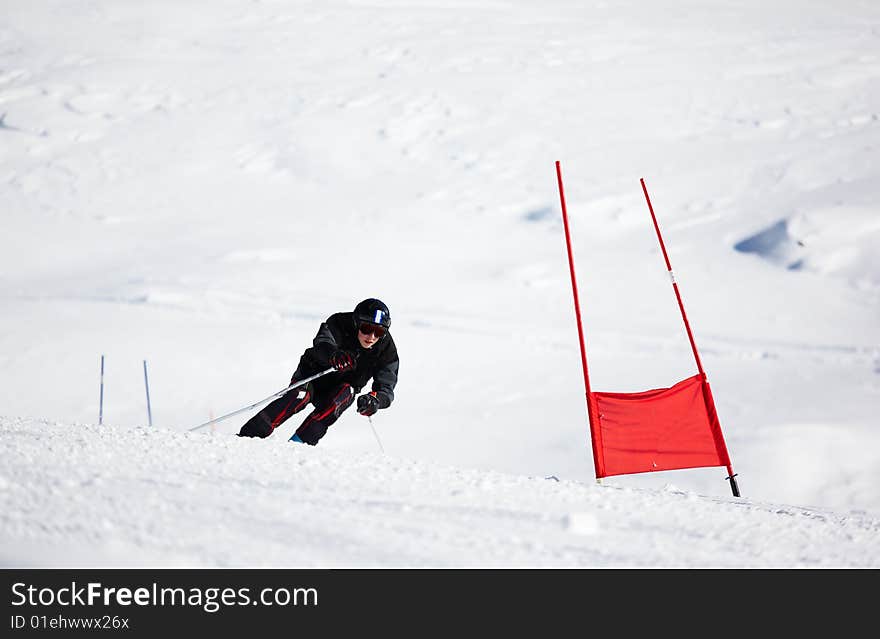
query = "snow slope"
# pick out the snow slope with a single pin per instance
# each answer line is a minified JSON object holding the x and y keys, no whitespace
{"x":147,"y":497}
{"x":200,"y":188}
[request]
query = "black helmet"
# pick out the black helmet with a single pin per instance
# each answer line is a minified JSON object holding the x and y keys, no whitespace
{"x":372,"y":311}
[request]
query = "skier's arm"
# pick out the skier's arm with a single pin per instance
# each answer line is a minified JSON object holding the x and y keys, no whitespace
{"x":324,"y":345}
{"x":384,"y":381}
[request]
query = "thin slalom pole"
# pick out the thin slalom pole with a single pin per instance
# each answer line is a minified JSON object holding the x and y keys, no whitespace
{"x":147,"y":387}
{"x":674,"y":283}
{"x":301,"y":382}
{"x":710,"y":407}
{"x":101,"y":400}
{"x":594,"y":431}
{"x":574,"y":288}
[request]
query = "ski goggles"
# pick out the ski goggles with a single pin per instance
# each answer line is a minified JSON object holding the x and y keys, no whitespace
{"x":372,"y":329}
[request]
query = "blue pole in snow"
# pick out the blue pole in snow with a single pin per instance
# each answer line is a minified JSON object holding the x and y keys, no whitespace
{"x":101,"y":402}
{"x":147,"y":386}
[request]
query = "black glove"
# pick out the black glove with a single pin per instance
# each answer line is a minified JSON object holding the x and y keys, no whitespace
{"x":368,"y":404}
{"x":342,"y":360}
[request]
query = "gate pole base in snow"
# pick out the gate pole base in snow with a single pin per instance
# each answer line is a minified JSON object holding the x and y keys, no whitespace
{"x":733,"y":485}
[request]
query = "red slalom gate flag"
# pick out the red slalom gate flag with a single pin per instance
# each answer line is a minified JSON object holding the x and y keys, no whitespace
{"x":662,"y":429}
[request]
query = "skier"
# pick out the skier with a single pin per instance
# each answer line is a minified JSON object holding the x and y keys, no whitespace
{"x":358,"y":346}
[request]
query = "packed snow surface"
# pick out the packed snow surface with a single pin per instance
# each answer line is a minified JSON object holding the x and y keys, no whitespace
{"x":143,"y":497}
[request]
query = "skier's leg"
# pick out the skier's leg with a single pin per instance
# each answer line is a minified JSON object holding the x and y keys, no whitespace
{"x":276,"y":413}
{"x":326,"y":412}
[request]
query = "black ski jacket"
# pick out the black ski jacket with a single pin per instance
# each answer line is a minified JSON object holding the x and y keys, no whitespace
{"x":380,"y":362}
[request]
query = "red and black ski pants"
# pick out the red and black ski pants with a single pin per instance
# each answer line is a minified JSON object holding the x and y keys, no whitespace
{"x":328,"y":407}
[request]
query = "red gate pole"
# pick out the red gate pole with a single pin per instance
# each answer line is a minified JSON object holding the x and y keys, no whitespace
{"x":594,"y":431}
{"x":718,"y":436}
{"x":672,"y":277}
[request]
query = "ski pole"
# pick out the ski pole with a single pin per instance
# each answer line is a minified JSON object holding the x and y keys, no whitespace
{"x":302,"y":382}
{"x":382,"y":448}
